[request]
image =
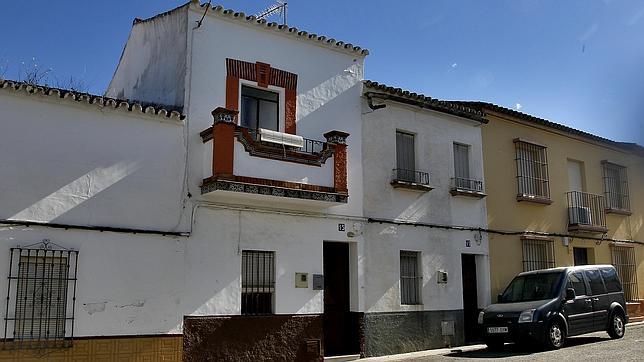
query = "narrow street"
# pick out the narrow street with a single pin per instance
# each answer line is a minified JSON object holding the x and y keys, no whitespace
{"x":589,"y":347}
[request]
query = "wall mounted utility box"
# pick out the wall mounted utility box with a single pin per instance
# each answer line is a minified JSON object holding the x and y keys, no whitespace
{"x":447,"y":327}
{"x":441,"y":277}
{"x":318,"y":282}
{"x":301,"y":280}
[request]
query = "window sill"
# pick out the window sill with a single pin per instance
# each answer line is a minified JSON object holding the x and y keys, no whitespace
{"x":469,"y":193}
{"x":534,"y":199}
{"x":593,"y":229}
{"x":619,"y":212}
{"x":398,"y":184}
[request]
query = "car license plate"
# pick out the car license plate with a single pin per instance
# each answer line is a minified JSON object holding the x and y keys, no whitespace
{"x":497,"y":330}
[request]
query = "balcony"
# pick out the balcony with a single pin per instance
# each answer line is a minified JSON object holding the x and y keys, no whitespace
{"x":466,"y":187}
{"x":410,"y":179}
{"x":251,"y":167}
{"x":586,"y":212}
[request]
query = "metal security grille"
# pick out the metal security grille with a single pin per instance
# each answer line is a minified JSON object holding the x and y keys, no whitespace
{"x":624,"y":262}
{"x":410,"y":278}
{"x":258,"y":282}
{"x":532,"y":170}
{"x":41,"y":295}
{"x":616,"y":187}
{"x":538,"y":254}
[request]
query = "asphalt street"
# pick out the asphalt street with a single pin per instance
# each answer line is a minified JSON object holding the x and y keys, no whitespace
{"x":589,"y":347}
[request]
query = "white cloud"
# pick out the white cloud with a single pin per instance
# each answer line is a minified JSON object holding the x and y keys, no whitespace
{"x":518,"y":106}
{"x":454,"y":65}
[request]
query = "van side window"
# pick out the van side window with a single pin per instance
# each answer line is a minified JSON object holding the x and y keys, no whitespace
{"x":576,"y":282}
{"x":610,"y":280}
{"x":595,"y":281}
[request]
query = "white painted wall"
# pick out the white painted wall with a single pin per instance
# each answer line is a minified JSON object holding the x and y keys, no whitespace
{"x":70,"y":163}
{"x":153,"y":63}
{"x":329,"y":86}
{"x":246,"y":165}
{"x":441,"y":249}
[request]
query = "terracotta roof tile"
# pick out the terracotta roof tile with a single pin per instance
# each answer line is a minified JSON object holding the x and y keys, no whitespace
{"x":428,"y":102}
{"x":157,"y":110}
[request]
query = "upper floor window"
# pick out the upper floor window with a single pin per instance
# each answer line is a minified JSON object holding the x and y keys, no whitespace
{"x":259,"y":108}
{"x":532,"y":171}
{"x":461,"y":161}
{"x":258,"y":282}
{"x":405,"y":156}
{"x":615,"y":186}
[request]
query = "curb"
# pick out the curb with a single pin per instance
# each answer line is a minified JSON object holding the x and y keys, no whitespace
{"x":426,"y":353}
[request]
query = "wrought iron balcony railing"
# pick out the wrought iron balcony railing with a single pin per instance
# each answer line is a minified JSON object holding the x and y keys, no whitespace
{"x":466,"y":184}
{"x":586,"y":212}
{"x":410,"y":176}
{"x":312,"y":147}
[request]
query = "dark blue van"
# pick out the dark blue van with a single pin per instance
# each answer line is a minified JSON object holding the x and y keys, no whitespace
{"x":551,"y":304}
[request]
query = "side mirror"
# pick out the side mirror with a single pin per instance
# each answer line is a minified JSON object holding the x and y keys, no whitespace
{"x":499,"y":298}
{"x":570,"y":294}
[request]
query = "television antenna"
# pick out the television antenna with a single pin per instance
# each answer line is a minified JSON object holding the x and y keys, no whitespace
{"x":278,"y":9}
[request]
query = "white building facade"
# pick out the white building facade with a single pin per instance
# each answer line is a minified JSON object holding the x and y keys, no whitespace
{"x":426,"y":257}
{"x":229,"y":196}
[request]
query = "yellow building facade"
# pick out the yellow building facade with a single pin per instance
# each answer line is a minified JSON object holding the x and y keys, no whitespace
{"x":559,"y":197}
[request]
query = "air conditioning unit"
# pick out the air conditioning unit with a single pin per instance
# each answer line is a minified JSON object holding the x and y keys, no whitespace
{"x":579,"y":216}
{"x":286,"y":139}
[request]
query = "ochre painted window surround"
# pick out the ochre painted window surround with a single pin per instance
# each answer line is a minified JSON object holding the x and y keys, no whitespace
{"x":264,"y":75}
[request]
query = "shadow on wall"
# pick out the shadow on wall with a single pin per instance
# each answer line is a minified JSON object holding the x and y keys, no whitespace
{"x":52,"y":207}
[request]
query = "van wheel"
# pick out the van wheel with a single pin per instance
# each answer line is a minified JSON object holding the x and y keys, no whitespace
{"x":555,"y":335}
{"x":616,"y":328}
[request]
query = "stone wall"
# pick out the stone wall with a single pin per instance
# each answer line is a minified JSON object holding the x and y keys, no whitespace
{"x":253,"y":338}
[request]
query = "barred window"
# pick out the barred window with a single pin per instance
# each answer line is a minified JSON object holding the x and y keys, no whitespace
{"x":624,"y":262}
{"x":41,"y":296}
{"x":532,"y":170}
{"x":410,"y":277}
{"x":615,"y":186}
{"x":258,"y":282}
{"x":538,"y":254}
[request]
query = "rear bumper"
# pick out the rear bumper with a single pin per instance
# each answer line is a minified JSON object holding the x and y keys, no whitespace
{"x":517,"y":332}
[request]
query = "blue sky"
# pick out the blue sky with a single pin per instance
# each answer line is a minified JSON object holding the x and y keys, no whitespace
{"x":576,"y":62}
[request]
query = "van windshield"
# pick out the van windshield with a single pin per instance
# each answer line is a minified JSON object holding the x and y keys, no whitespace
{"x":527,"y":288}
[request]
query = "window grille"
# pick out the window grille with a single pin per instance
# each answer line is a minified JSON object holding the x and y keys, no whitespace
{"x":624,"y":263}
{"x":532,"y":170}
{"x":538,"y":254}
{"x":616,"y":186}
{"x":410,"y":277}
{"x":405,"y":156}
{"x":258,"y":282}
{"x":41,"y":295}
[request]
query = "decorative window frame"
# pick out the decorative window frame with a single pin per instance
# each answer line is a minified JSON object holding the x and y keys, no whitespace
{"x":262,"y":75}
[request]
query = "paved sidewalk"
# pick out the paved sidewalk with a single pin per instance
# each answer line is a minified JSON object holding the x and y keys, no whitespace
{"x":442,"y":351}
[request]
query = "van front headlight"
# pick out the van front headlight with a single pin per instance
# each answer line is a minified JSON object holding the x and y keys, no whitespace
{"x":526,"y":316}
{"x":481,"y":314}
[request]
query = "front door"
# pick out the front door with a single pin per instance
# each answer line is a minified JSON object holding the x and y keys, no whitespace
{"x":339,"y":336}
{"x":580,"y":256}
{"x":470,"y":297}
